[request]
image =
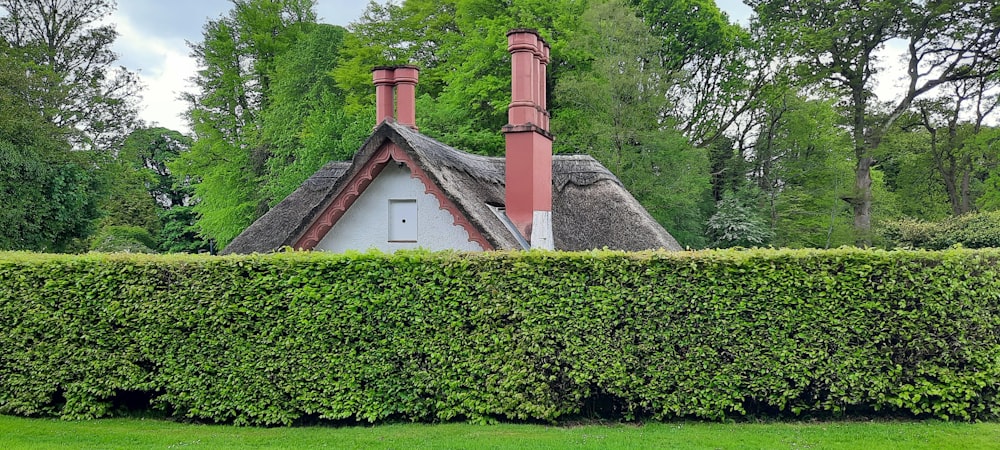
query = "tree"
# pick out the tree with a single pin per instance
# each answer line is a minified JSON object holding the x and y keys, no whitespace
{"x":719,"y":68}
{"x":145,"y":195}
{"x":68,"y":98}
{"x":956,"y":143}
{"x":612,"y":112}
{"x":461,"y":49}
{"x":800,"y":163}
{"x":79,"y":89}
{"x":907,"y":163}
{"x":127,"y":201}
{"x":229,"y":159}
{"x":460,"y":46}
{"x":306,"y":124}
{"x":946,"y":41}
{"x":150,"y":151}
{"x":737,"y":222}
{"x":988,"y":142}
{"x":49,"y":193}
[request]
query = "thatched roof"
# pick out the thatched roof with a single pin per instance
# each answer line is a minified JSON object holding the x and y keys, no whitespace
{"x":590,"y":207}
{"x":289,"y":217}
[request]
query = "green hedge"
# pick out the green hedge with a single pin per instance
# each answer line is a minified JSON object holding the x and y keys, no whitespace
{"x":526,"y":336}
{"x":972,"y":230}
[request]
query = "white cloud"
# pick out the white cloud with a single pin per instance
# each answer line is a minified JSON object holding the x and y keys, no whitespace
{"x":165,"y":76}
{"x":892,"y":79}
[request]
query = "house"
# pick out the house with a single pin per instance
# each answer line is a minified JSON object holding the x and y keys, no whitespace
{"x":406,"y":190}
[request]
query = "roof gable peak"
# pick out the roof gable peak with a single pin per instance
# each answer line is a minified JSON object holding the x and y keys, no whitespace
{"x":367,"y":167}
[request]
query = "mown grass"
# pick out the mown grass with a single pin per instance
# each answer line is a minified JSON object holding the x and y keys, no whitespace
{"x":17,"y":433}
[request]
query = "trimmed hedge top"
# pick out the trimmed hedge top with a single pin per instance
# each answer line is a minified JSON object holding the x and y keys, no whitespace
{"x":523,"y":335}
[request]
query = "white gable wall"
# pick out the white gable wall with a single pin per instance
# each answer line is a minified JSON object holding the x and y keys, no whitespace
{"x":365,"y":224}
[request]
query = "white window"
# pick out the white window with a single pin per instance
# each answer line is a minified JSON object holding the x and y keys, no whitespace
{"x":402,"y":220}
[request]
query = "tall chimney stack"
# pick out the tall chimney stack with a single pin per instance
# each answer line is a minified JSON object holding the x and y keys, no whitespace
{"x":396,"y":94}
{"x":406,"y":95}
{"x":528,"y":173}
{"x":384,"y":80}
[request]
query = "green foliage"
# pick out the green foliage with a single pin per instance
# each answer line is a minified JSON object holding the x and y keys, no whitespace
{"x":123,"y":238}
{"x":461,"y":49}
{"x":835,"y":43}
{"x":956,"y":146}
{"x":144,"y":193}
{"x":613,"y":112}
{"x":49,"y":193}
{"x":890,"y":209}
{"x":973,"y":230}
{"x":738,"y":222}
{"x":237,"y":85}
{"x":47,"y":203}
{"x":80,"y":89}
{"x":691,"y":28}
{"x":179,"y":234}
{"x":522,"y":336}
{"x":910,"y":174}
{"x":990,"y":200}
{"x":128,"y":202}
{"x":717,"y":69}
{"x":305,"y":125}
{"x":224,"y":191}
{"x":148,"y":151}
{"x":802,"y":162}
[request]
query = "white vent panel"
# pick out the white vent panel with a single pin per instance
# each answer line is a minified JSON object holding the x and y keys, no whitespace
{"x":402,"y":220}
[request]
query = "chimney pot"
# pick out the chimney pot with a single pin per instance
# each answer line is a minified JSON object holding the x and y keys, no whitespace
{"x":406,"y":95}
{"x":384,"y":80}
{"x":395,"y":94}
{"x":523,"y":46}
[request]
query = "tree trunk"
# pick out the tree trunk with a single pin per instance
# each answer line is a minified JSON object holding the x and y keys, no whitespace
{"x":862,"y":202}
{"x":966,"y":194}
{"x":949,"y":176}
{"x":862,"y":198}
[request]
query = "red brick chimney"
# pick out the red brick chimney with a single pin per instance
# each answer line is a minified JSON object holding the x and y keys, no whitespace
{"x":403,"y":81}
{"x":385,"y":80}
{"x":406,"y":95}
{"x":529,"y":144}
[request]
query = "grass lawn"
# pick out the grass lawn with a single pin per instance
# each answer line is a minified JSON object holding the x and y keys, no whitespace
{"x":18,"y":433}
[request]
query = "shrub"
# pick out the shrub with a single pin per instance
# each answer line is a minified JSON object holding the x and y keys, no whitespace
{"x":736,"y":223}
{"x":123,"y":238}
{"x":973,"y":230}
{"x":523,"y":336}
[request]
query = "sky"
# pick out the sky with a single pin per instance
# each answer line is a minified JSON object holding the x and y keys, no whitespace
{"x":152,"y":42}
